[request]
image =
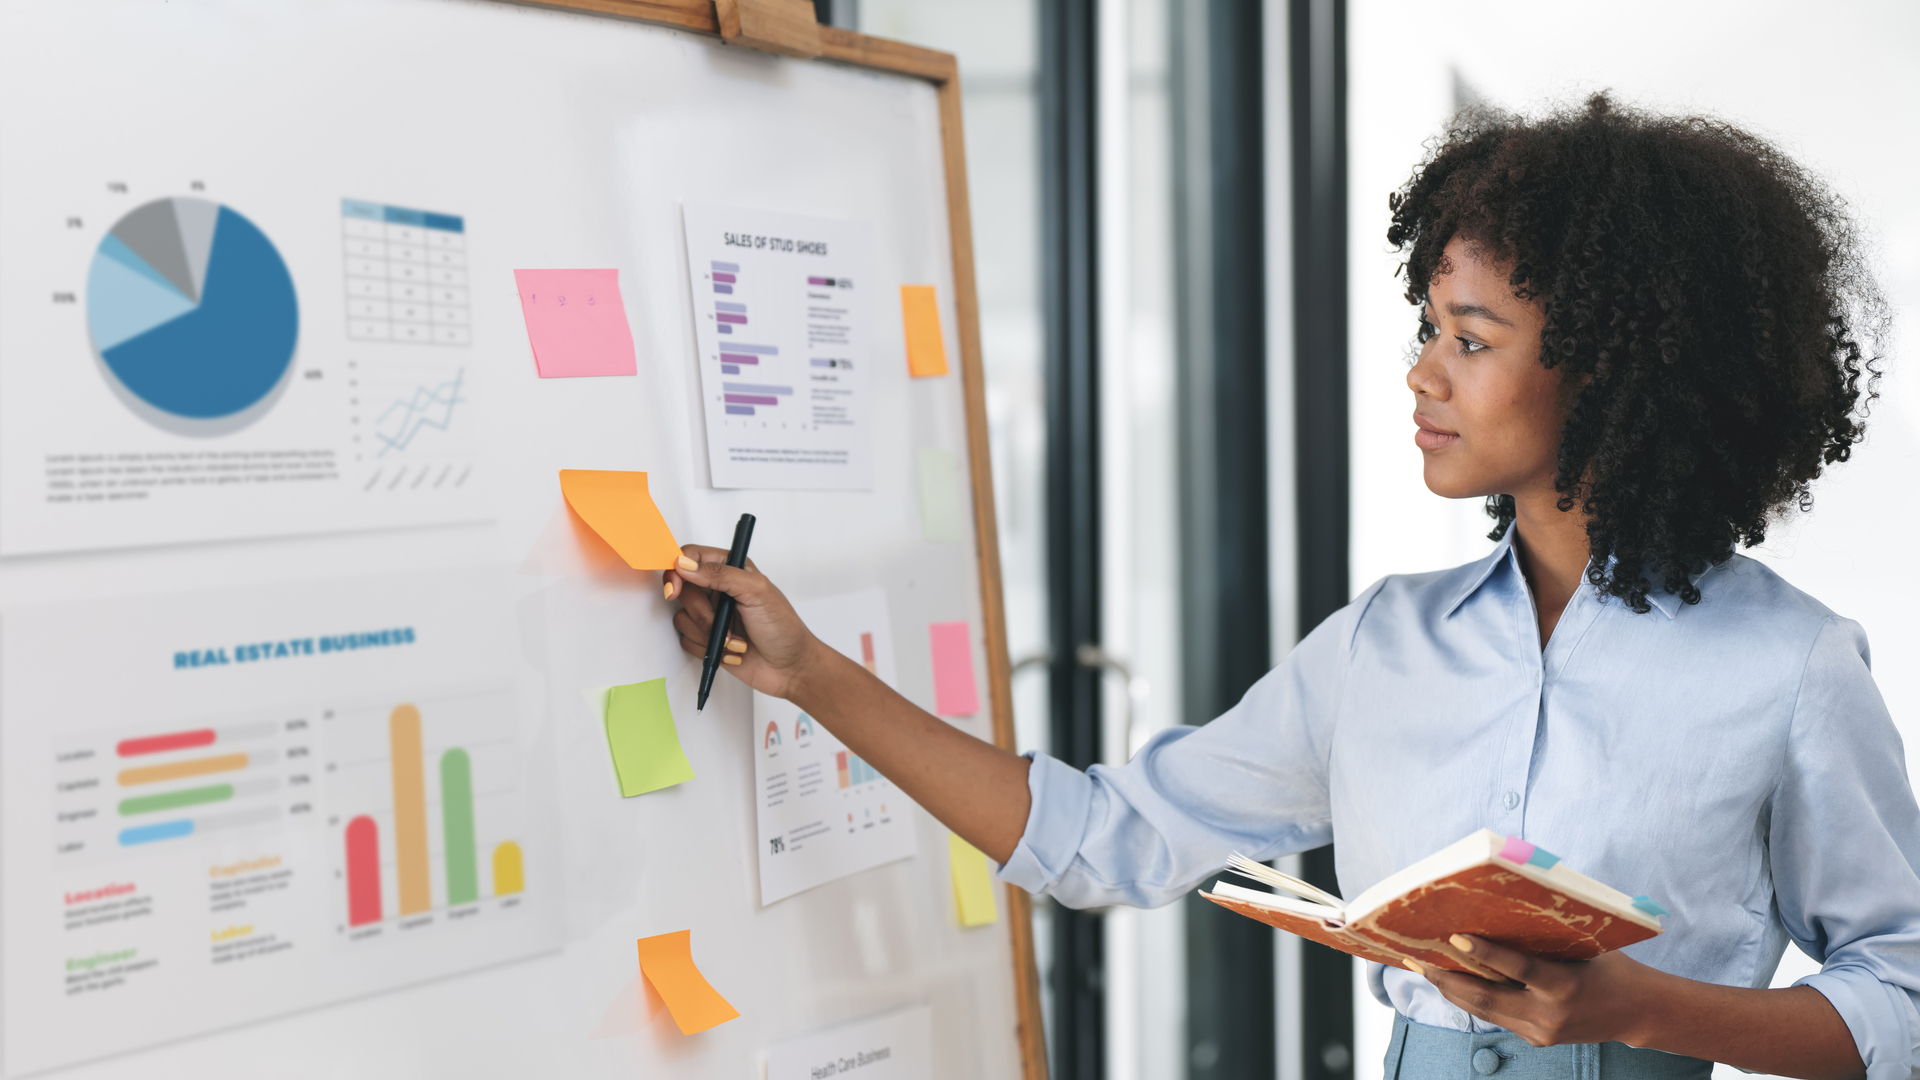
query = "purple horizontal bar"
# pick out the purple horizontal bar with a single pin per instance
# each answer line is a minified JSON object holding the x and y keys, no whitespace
{"x":729,"y":317}
{"x":728,"y":278}
{"x":724,"y":328}
{"x":739,"y":410}
{"x":725,"y":290}
{"x":731,"y":268}
{"x":727,"y":305}
{"x":817,"y":362}
{"x":763,"y":350}
{"x":729,"y":369}
{"x":819,"y":281}
{"x":738,"y":358}
{"x":751,"y":399}
{"x":755,"y":388}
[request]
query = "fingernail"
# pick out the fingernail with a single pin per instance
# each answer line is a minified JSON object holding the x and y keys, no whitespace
{"x":1462,"y":943}
{"x":688,"y":564}
{"x":734,"y":644}
{"x":669,"y":590}
{"x":1414,"y":966}
{"x":730,"y":659}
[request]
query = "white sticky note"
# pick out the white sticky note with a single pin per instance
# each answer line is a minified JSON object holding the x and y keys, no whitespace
{"x":943,"y":518}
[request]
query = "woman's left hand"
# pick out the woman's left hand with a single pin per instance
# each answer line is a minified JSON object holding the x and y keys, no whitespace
{"x":1598,"y":1000}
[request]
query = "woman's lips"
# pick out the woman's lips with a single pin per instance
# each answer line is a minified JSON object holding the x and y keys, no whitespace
{"x":1430,"y":436}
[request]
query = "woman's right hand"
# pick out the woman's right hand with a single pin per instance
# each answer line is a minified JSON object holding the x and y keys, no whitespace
{"x":770,"y":648}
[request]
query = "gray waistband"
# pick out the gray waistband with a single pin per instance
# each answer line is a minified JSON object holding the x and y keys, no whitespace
{"x":1419,"y":1052}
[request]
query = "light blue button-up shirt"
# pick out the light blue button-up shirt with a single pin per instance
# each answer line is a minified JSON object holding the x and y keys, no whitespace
{"x":1731,"y":759}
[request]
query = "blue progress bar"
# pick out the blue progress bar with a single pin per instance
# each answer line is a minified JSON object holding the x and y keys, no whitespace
{"x":147,"y":834}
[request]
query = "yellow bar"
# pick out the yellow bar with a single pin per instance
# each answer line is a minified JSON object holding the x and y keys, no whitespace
{"x":410,"y":809}
{"x":153,"y":774}
{"x":507,"y":878}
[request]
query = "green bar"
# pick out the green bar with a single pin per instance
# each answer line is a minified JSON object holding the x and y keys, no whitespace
{"x":456,"y":807}
{"x":147,"y":804}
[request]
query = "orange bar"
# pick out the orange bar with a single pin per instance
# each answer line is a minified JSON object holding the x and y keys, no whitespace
{"x":153,"y":774}
{"x":409,"y":809}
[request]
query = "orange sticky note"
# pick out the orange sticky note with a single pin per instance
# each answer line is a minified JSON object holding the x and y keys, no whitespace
{"x":576,"y":322}
{"x":953,"y":690}
{"x":617,"y":506}
{"x":926,"y":346}
{"x":667,"y":962}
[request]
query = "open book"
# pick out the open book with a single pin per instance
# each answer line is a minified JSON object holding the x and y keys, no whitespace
{"x":1500,"y":888}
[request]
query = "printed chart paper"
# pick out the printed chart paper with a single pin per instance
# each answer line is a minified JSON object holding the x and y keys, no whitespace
{"x":824,"y":813}
{"x":896,"y":1046}
{"x":780,"y":308}
{"x":269,"y":800}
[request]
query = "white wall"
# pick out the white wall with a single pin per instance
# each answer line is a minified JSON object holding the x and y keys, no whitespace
{"x":1836,"y":85}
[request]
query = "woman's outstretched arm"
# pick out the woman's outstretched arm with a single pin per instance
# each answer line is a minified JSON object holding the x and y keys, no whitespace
{"x":974,"y":788}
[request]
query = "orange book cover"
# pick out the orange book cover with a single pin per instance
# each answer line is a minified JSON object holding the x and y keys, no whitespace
{"x":1495,"y":887}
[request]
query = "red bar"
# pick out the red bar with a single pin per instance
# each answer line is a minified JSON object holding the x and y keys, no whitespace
{"x":363,"y":871}
{"x":160,"y":744}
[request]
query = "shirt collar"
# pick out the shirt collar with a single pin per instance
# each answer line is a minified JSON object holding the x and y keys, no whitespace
{"x":1668,"y":603}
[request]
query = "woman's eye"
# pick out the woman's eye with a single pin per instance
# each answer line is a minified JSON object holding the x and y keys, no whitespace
{"x":1469,"y":347}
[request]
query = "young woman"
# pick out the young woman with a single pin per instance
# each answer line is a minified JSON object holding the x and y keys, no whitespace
{"x":1640,"y":340}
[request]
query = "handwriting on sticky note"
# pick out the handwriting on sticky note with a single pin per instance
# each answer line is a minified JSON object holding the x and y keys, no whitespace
{"x":576,"y":322}
{"x":641,"y":736}
{"x":667,"y":962}
{"x":926,"y":346}
{"x":972,"y":883}
{"x":941,"y":518}
{"x":953,"y":689}
{"x":618,"y":506}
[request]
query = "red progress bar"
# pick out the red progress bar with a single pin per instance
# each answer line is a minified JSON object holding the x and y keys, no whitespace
{"x":160,"y":744}
{"x":363,"y":871}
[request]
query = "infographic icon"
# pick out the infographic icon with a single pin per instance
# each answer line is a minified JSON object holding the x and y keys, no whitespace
{"x":193,"y":316}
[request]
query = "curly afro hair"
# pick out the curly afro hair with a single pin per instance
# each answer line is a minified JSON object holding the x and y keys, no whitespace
{"x":1712,"y":292}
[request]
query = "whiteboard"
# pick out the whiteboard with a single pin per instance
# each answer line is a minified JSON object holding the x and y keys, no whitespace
{"x":284,"y":585}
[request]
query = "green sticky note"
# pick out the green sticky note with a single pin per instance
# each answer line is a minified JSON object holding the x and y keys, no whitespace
{"x":645,"y":745}
{"x":942,"y":517}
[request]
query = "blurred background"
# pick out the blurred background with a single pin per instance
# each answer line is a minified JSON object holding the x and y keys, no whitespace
{"x":1196,"y":350}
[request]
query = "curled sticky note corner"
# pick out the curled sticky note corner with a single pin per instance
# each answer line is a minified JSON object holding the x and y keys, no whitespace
{"x":666,"y":960}
{"x":618,"y":507}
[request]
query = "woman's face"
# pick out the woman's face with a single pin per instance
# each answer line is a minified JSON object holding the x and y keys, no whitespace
{"x":1489,"y":416}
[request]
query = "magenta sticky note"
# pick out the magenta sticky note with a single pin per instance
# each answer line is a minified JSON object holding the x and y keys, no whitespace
{"x":953,"y":690}
{"x":576,"y":322}
{"x":1516,"y":850}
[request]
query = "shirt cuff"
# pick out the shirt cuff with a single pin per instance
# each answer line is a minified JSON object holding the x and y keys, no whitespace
{"x":1881,"y":1017}
{"x":1062,"y":797}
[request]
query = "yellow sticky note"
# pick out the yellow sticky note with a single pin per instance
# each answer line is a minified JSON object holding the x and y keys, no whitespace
{"x":645,"y":744}
{"x":972,"y":883}
{"x":667,"y":962}
{"x":926,"y":346}
{"x":617,"y":506}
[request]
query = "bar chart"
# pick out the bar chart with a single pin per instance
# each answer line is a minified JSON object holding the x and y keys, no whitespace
{"x":123,"y":794}
{"x":426,"y":798}
{"x":853,"y":771}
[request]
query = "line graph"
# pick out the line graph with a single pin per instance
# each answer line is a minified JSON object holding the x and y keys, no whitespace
{"x":427,"y":407}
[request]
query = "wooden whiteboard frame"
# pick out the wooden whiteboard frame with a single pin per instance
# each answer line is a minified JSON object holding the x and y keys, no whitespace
{"x":789,"y":28}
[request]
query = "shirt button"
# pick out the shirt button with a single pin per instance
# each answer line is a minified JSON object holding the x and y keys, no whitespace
{"x":1512,"y":799}
{"x":1485,"y":1061}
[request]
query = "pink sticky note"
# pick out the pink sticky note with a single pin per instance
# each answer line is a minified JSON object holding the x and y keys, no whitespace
{"x":1516,"y":850}
{"x":953,"y":691}
{"x":576,"y":322}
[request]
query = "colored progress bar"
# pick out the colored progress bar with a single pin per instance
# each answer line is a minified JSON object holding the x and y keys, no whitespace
{"x":188,"y":740}
{"x":197,"y":796}
{"x":180,"y":770}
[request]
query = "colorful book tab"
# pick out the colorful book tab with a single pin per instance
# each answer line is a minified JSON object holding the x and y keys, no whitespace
{"x":641,"y":736}
{"x":926,"y":345}
{"x":1646,"y":904}
{"x":618,"y":507}
{"x":576,"y":322}
{"x":953,"y":689}
{"x":667,"y":962}
{"x":1521,"y":853}
{"x":972,"y":883}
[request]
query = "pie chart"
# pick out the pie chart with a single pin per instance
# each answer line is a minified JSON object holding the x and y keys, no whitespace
{"x":193,"y":316}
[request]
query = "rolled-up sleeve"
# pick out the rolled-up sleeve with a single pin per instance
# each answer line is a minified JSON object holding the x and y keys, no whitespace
{"x":1254,"y":781}
{"x":1844,"y":841}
